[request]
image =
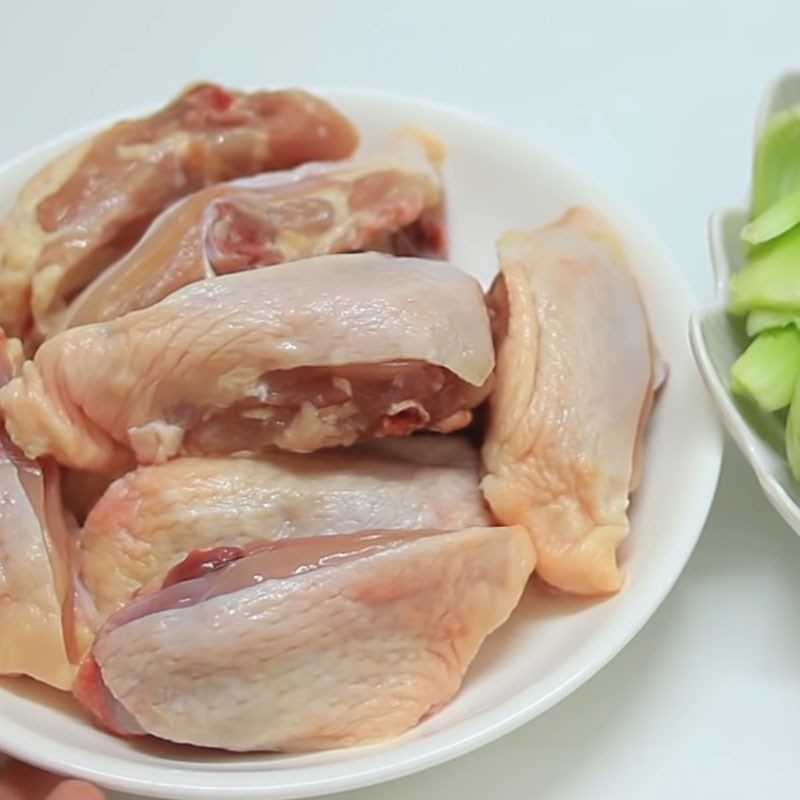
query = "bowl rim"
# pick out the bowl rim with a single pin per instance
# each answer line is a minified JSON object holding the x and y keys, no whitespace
{"x":486,"y":726}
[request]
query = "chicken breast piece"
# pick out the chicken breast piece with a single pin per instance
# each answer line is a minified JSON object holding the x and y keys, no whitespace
{"x":35,"y":581}
{"x":153,"y":517}
{"x":306,"y":644}
{"x":86,"y":209}
{"x":301,"y":356}
{"x":391,"y":201}
{"x":574,"y":386}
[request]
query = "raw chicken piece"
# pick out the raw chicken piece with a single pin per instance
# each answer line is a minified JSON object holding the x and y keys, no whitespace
{"x":84,"y":210}
{"x":305,"y":644}
{"x":392,"y":201}
{"x":35,"y":581}
{"x":150,"y":519}
{"x":301,"y":356}
{"x":574,"y":387}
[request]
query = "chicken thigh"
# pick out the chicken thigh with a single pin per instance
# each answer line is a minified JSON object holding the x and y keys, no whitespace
{"x":307,"y":643}
{"x":392,"y":201}
{"x":301,"y":356}
{"x":83,"y":211}
{"x":574,"y":386}
{"x":151,"y":519}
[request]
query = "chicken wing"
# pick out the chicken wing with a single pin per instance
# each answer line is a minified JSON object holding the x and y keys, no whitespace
{"x":36,"y":602}
{"x":392,"y":201}
{"x":309,"y":643}
{"x":574,"y":386}
{"x":301,"y":356}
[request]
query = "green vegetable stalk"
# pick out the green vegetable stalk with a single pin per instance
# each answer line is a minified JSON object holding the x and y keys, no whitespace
{"x":762,"y":320}
{"x":767,"y":288}
{"x":780,"y":217}
{"x":776,"y":171}
{"x":768,"y":370}
{"x":771,"y":278}
{"x":793,"y":433}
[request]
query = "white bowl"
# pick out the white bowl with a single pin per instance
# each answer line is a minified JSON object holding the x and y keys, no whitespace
{"x":551,"y":645}
{"x":717,"y":340}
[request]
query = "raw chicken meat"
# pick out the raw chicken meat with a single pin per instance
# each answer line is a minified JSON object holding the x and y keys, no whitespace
{"x":307,"y":643}
{"x":392,"y":201}
{"x":35,"y":582}
{"x":574,"y":386}
{"x":84,"y":210}
{"x":301,"y":356}
{"x":150,"y":519}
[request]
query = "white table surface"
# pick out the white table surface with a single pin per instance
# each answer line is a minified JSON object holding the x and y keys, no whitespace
{"x":657,"y":99}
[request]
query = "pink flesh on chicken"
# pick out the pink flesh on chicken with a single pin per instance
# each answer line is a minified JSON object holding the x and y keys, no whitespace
{"x":201,"y":562}
{"x":151,"y":518}
{"x":307,"y":643}
{"x":312,"y":407}
{"x":36,"y":610}
{"x":301,"y":356}
{"x":85,"y":210}
{"x":184,"y":586}
{"x":392,"y":201}
{"x":574,"y":387}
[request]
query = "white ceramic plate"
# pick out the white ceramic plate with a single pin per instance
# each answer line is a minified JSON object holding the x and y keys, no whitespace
{"x":718,"y":340}
{"x":551,"y":645}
